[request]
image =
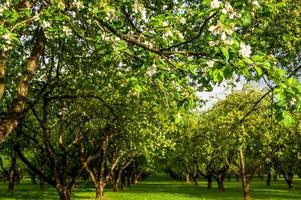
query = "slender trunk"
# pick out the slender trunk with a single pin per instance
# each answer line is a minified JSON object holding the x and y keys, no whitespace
{"x":12,"y":175}
{"x":209,"y":182}
{"x":269,"y":178}
{"x":275,"y":176}
{"x":33,"y":179}
{"x":229,"y":177}
{"x":11,"y":183}
{"x":114,"y":183}
{"x":41,"y":184}
{"x":245,"y":178}
{"x":194,"y":179}
{"x":123,"y":181}
{"x":187,"y":178}
{"x":64,"y":193}
{"x":288,"y":177}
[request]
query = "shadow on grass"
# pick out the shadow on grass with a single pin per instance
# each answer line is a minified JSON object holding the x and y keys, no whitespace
{"x":164,"y":185}
{"x":161,"y":188}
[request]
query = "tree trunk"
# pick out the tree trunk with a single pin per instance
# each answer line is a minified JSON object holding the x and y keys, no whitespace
{"x":100,"y":189}
{"x":33,"y":179}
{"x":41,"y":184}
{"x":11,"y":182}
{"x":246,"y":188}
{"x":64,"y":193}
{"x":12,"y":175}
{"x":245,"y":178}
{"x":194,"y":179}
{"x":269,"y":178}
{"x":220,"y":183}
{"x":209,"y":182}
{"x":187,"y":178}
{"x":114,"y":183}
{"x":275,"y":176}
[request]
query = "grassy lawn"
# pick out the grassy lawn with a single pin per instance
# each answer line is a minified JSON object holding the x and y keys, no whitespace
{"x":162,"y":188}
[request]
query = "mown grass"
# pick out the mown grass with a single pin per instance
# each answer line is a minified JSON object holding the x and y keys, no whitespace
{"x":161,"y":188}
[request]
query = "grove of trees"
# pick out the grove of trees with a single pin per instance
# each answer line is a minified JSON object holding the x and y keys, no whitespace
{"x":106,"y":91}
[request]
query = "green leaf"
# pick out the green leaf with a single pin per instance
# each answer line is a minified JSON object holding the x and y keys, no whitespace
{"x":137,"y":88}
{"x":225,"y":52}
{"x":258,"y":71}
{"x":288,"y":119}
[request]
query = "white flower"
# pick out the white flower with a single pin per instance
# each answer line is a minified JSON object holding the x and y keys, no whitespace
{"x":215,"y":29}
{"x":182,"y":20}
{"x":229,"y":10}
{"x":213,"y":43}
{"x":45,"y":24}
{"x":165,"y":23}
{"x":67,"y":30}
{"x":143,"y":14}
{"x":8,"y":38}
{"x":77,"y":4}
{"x":2,"y":8}
{"x":136,"y":6}
{"x":223,"y":36}
{"x":245,"y":50}
{"x":215,"y":4}
{"x":180,"y":35}
{"x":255,"y":3}
{"x":229,"y":41}
{"x":151,"y":70}
{"x":210,"y":63}
{"x":168,"y":34}
{"x":61,"y":5}
{"x":7,"y":48}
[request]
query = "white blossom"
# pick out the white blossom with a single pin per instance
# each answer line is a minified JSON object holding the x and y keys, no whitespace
{"x":223,"y":36}
{"x":229,"y":41}
{"x":182,"y":20}
{"x":77,"y":4}
{"x":7,"y":48}
{"x":213,"y":43}
{"x":61,"y":5}
{"x":210,"y":63}
{"x":245,"y":50}
{"x":7,"y":38}
{"x":165,"y":23}
{"x":217,"y":29}
{"x":2,"y":8}
{"x":45,"y":24}
{"x":215,"y":4}
{"x":151,"y":70}
{"x":229,"y":10}
{"x":67,"y":30}
{"x":255,"y":3}
{"x":168,"y":34}
{"x":143,"y":14}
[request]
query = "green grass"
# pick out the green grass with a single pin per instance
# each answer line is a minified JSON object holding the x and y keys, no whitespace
{"x":161,"y":188}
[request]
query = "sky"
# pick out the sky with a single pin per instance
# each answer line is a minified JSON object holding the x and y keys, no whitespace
{"x":219,"y":92}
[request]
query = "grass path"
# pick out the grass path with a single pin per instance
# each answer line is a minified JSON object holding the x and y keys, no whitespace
{"x":162,"y":188}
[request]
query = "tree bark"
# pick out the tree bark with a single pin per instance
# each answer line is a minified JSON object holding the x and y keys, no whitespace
{"x":220,"y":183}
{"x":269,"y":178}
{"x":100,"y":189}
{"x":114,"y":183}
{"x":12,"y":174}
{"x":209,"y":182}
{"x":15,"y":112}
{"x":245,"y":178}
{"x":64,"y":193}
